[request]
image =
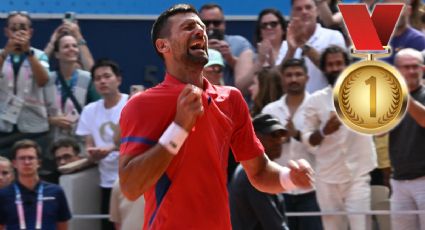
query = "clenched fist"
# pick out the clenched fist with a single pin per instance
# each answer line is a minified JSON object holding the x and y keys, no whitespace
{"x":189,"y":107}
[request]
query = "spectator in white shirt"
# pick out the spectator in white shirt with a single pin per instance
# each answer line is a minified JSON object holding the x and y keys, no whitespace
{"x":344,"y":158}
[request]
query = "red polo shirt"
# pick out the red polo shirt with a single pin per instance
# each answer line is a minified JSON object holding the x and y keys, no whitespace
{"x":192,"y":193}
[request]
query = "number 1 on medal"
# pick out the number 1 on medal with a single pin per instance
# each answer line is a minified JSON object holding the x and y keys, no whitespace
{"x":372,"y":82}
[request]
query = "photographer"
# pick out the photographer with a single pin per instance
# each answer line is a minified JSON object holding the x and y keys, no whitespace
{"x":70,"y":26}
{"x":69,"y":88}
{"x":236,"y":50}
{"x":23,"y":72}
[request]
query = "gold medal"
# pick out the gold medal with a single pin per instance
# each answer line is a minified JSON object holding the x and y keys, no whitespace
{"x":370,"y":96}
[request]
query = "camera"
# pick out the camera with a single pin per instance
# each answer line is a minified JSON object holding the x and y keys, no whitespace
{"x":69,"y":17}
{"x":22,"y":26}
{"x":215,"y":34}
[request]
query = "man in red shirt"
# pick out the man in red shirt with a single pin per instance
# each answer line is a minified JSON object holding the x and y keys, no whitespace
{"x":176,"y":137}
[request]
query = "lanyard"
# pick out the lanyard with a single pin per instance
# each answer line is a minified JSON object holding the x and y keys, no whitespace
{"x":62,"y":88}
{"x":20,"y":207}
{"x":13,"y":77}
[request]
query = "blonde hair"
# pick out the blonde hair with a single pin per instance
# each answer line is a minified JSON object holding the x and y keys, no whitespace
{"x":4,"y":159}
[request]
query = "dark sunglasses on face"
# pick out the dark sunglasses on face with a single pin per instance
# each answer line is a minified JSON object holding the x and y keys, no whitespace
{"x":269,"y":25}
{"x":215,"y":23}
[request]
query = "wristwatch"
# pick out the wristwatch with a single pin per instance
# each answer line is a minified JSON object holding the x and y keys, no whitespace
{"x":305,"y":48}
{"x":82,"y":42}
{"x":29,"y":53}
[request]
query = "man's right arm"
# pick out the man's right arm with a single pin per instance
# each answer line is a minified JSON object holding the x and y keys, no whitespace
{"x":8,"y":48}
{"x":138,"y":172}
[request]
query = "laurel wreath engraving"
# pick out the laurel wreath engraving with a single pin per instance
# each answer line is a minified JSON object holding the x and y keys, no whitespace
{"x":346,"y":101}
{"x":392,"y":111}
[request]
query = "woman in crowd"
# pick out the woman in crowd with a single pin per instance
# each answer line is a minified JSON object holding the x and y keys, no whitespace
{"x":270,"y":32}
{"x":265,"y":88}
{"x":71,"y":27}
{"x":69,"y":88}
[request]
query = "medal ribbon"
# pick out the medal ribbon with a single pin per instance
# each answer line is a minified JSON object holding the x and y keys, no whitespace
{"x":370,"y":32}
{"x":20,"y":207}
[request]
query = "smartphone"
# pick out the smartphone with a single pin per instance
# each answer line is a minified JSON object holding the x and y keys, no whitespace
{"x":69,"y":17}
{"x":215,"y":34}
{"x":22,"y":26}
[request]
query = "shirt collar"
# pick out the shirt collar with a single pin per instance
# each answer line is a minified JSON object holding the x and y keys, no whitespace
{"x":172,"y":80}
{"x":316,"y":34}
{"x":22,"y":187}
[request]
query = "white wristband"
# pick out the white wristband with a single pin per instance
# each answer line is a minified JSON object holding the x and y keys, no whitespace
{"x":285,"y":180}
{"x":173,"y":138}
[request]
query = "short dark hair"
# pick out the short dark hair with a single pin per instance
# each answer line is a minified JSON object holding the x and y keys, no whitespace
{"x":106,"y":62}
{"x":20,"y":13}
{"x":65,"y":142}
{"x":25,"y":144}
{"x":292,"y":2}
{"x":275,"y":12}
{"x":160,"y":26}
{"x":209,"y":6}
{"x":293,"y":62}
{"x":333,"y":49}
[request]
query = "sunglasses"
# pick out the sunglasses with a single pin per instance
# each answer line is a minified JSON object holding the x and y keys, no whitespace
{"x":21,"y":13}
{"x":215,"y":23}
{"x":269,"y":25}
{"x":13,"y":13}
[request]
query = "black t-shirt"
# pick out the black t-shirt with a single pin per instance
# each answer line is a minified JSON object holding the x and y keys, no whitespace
{"x":407,"y":145}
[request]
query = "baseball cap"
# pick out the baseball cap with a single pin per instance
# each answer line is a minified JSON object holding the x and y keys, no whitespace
{"x":267,"y":124}
{"x":214,"y":58}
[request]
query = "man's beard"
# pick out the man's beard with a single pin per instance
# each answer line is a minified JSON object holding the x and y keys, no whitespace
{"x":194,"y":60}
{"x":295,"y":89}
{"x":332,"y":77}
{"x":202,"y":60}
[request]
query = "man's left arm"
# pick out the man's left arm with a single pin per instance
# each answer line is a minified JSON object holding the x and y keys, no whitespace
{"x":267,"y":176}
{"x":417,"y":111}
{"x":39,"y":71}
